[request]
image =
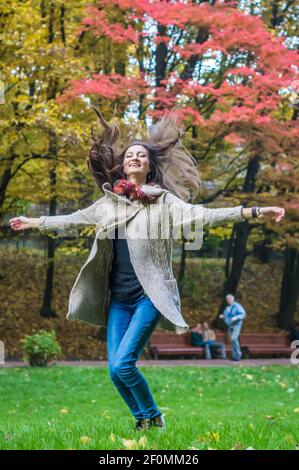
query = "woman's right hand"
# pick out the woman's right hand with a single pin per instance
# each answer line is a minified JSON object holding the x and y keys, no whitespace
{"x":23,"y":223}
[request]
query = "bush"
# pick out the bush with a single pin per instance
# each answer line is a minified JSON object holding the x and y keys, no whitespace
{"x":41,"y":348}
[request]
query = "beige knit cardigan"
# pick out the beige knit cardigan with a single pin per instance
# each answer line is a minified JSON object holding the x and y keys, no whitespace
{"x":150,"y":251}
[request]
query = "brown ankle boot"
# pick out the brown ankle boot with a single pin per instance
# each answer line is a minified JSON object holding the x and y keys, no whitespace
{"x":159,"y":422}
{"x":143,"y":423}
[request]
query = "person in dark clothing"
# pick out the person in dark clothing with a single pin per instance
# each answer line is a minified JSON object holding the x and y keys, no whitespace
{"x":294,"y":333}
{"x":197,"y":336}
{"x":200,"y":337}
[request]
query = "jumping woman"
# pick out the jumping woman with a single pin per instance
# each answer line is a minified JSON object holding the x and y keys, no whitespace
{"x":127,"y":285}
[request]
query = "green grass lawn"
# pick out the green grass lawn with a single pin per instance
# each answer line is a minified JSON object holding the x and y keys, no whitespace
{"x":205,"y":408}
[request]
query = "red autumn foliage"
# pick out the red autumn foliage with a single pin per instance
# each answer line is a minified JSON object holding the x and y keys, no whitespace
{"x":235,"y":88}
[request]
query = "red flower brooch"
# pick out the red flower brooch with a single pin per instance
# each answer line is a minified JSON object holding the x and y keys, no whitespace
{"x":132,"y":190}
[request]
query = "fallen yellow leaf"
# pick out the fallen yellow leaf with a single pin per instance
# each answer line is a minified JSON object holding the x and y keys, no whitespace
{"x":215,"y":436}
{"x":129,"y":443}
{"x":143,"y":441}
{"x":248,"y":376}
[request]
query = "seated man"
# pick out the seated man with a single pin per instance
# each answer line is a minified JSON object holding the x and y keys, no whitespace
{"x":209,"y":338}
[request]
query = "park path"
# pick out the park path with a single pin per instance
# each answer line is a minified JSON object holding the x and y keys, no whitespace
{"x":168,"y":363}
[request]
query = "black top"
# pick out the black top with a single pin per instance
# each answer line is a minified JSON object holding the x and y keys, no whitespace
{"x":123,"y":282}
{"x":197,"y":339}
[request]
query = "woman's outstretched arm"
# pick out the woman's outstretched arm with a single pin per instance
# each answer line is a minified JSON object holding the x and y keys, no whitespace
{"x":87,"y":216}
{"x":184,"y":213}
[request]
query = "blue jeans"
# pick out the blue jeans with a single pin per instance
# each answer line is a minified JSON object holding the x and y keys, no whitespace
{"x":234,"y":333}
{"x":129,"y":327}
{"x":210,"y":344}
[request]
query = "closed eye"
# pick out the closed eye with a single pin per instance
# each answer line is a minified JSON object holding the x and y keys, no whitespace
{"x":139,"y":154}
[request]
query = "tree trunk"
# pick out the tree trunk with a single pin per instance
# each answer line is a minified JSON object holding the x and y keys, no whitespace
{"x":289,"y":290}
{"x":161,"y":55}
{"x":46,"y":310}
{"x":242,"y":231}
{"x":182,"y":268}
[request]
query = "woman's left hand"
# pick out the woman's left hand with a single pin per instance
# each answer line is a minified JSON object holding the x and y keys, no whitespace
{"x":272,"y":213}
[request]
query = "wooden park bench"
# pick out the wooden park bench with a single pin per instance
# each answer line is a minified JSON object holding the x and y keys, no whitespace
{"x":253,"y":344}
{"x":172,"y":344}
{"x":266,"y":344}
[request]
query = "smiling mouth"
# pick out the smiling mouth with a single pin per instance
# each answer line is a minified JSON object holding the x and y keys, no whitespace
{"x":135,"y":164}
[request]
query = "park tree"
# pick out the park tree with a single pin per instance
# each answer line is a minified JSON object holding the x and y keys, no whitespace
{"x":41,"y":143}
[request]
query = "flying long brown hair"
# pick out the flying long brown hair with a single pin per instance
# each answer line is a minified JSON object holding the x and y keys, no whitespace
{"x":172,"y":165}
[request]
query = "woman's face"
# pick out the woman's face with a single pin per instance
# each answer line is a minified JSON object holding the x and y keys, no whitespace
{"x":136,"y":161}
